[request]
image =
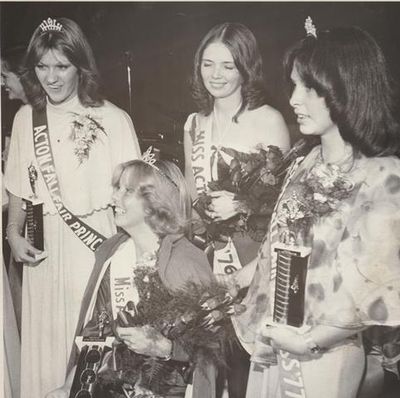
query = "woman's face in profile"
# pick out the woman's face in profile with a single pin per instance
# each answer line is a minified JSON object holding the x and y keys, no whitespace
{"x":128,"y":207}
{"x":313,"y":115}
{"x":58,"y":77}
{"x":220,"y":76}
{"x":11,"y":83}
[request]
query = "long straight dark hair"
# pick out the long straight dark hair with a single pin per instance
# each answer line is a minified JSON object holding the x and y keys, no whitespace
{"x":347,"y":68}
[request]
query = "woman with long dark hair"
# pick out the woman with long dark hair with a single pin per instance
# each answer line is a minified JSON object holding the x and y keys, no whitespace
{"x":339,"y":215}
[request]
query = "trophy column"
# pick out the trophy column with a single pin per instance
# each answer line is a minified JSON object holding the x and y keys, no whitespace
{"x":34,"y":215}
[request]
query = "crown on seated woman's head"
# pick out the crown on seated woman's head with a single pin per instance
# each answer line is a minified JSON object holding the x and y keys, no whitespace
{"x":50,"y":24}
{"x":310,"y":28}
{"x":149,"y":157}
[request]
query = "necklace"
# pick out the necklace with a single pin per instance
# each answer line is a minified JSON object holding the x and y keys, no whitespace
{"x":345,"y":163}
{"x":222,"y":131}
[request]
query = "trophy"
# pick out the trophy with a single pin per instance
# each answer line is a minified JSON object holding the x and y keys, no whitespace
{"x":291,"y":272}
{"x":92,"y":350}
{"x":34,"y":216}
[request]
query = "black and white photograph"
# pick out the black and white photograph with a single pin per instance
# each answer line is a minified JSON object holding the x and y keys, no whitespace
{"x":200,"y":199}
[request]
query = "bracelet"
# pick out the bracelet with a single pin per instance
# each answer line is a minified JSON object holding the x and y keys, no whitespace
{"x":312,"y":346}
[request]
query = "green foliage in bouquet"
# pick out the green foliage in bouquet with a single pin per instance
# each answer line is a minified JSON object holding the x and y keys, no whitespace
{"x":193,"y":317}
{"x":252,"y":177}
{"x":256,"y":180}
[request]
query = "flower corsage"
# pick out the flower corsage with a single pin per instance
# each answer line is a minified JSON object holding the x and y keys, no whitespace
{"x":319,"y":193}
{"x":86,"y":130}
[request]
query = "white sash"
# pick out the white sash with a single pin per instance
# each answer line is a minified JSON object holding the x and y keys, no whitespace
{"x":291,"y":376}
{"x":122,"y":264}
{"x":122,"y":286}
{"x":226,"y":260}
{"x":201,"y":152}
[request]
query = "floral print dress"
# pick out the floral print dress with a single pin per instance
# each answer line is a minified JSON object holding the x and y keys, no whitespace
{"x":353,"y":276}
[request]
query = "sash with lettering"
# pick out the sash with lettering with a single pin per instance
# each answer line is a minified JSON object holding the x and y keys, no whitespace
{"x":122,"y":291}
{"x":291,"y":379}
{"x":122,"y":287}
{"x":44,"y":155}
{"x":204,"y":167}
{"x":290,"y":373}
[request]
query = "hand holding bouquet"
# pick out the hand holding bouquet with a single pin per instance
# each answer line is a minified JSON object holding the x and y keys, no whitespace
{"x":192,"y":317}
{"x":252,"y":181}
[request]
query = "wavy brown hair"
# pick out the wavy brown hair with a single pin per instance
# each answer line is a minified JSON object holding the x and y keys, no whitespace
{"x":347,"y":68}
{"x":244,"y":49}
{"x":164,"y":192}
{"x":72,"y":43}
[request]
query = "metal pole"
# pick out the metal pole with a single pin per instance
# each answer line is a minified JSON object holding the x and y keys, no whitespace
{"x":128,"y":59}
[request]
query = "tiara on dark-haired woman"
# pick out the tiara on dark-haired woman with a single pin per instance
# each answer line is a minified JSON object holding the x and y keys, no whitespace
{"x":50,"y":24}
{"x":149,"y":158}
{"x":310,"y":28}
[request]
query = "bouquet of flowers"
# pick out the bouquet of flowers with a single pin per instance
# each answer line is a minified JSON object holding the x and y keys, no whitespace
{"x":255,"y":179}
{"x":85,"y":132}
{"x":192,"y":317}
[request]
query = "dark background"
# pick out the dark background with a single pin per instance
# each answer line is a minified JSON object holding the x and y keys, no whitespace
{"x":159,"y":41}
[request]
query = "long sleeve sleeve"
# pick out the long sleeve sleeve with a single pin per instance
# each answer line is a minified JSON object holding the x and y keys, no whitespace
{"x":362,"y":284}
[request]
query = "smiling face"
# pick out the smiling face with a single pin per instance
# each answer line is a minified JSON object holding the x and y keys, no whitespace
{"x":58,"y":77}
{"x":218,"y":71}
{"x":129,"y":208}
{"x":312,"y":113}
{"x":11,"y":83}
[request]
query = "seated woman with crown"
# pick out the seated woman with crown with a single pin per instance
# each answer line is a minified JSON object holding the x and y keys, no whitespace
{"x":136,"y":274}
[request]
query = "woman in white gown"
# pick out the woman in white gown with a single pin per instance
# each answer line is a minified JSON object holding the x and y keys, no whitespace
{"x":233,"y":115}
{"x":64,"y":147}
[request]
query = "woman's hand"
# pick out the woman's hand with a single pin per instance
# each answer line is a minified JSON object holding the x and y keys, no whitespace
{"x":22,"y":250}
{"x":223,"y":205}
{"x":281,"y":337}
{"x":145,"y":340}
{"x":231,"y":284}
{"x":62,"y":392}
{"x":229,"y":281}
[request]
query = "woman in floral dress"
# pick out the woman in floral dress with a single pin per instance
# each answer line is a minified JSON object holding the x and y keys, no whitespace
{"x":340,"y":212}
{"x":64,"y":148}
{"x":229,"y":90}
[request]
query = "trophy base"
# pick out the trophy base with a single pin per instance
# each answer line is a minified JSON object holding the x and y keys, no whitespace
{"x":40,"y":257}
{"x":34,"y":225}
